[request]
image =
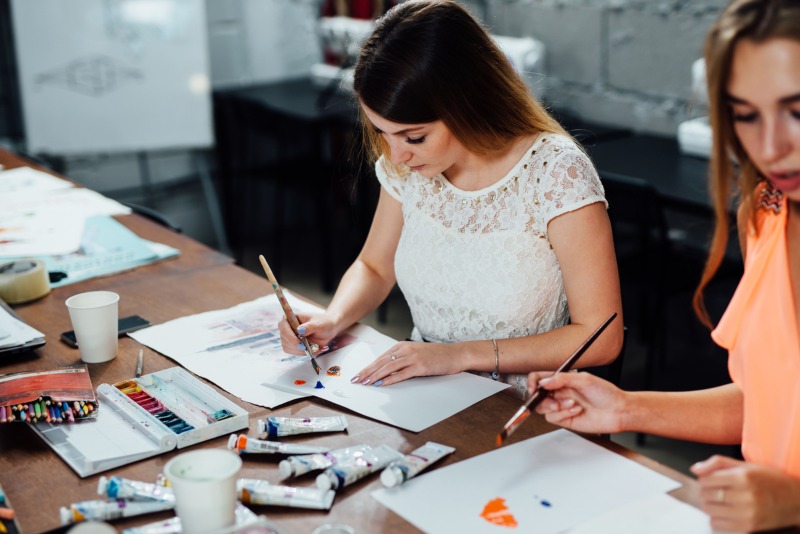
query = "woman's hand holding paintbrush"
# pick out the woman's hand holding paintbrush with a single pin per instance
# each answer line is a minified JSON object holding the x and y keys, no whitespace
{"x":539,"y":394}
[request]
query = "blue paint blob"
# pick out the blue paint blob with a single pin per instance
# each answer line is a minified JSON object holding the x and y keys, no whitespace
{"x":319,"y":385}
{"x":546,"y":504}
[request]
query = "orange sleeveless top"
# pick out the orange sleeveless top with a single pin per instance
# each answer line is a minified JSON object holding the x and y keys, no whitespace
{"x":759,"y":329}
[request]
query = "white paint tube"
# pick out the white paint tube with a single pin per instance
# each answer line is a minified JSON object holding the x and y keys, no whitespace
{"x":345,"y":473}
{"x":407,"y":467}
{"x":103,"y":510}
{"x":294,"y":466}
{"x":245,"y":444}
{"x":276,"y":427}
{"x":253,"y":491}
{"x":124,"y":488}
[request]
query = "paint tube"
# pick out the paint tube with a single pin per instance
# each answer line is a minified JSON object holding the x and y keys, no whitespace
{"x":253,"y":491}
{"x":244,"y":517}
{"x":300,"y":465}
{"x":276,"y":427}
{"x":407,"y":467}
{"x":102,"y":510}
{"x":123,"y":488}
{"x":345,"y":473}
{"x":244,"y":444}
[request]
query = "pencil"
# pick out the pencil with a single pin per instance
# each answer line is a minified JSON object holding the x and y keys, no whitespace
{"x":139,"y":363}
{"x":290,"y":316}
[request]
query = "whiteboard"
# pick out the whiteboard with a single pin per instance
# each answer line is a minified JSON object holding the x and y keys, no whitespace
{"x":113,"y":75}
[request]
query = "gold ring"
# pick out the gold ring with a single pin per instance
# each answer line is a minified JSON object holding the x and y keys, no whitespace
{"x":721,"y":495}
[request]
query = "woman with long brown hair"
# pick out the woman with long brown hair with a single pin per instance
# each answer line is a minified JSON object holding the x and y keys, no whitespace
{"x":491,"y":219}
{"x":752,"y":59}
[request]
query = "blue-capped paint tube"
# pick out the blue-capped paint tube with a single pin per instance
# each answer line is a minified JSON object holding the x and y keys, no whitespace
{"x":103,"y":510}
{"x":253,"y":491}
{"x":346,"y":472}
{"x":294,"y":466}
{"x":408,"y":466}
{"x":122,"y":488}
{"x":245,"y":444}
{"x":276,"y":427}
{"x":244,"y":517}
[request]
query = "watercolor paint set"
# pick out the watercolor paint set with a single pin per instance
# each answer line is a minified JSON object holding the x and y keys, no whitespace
{"x":61,"y":395}
{"x":142,"y":417}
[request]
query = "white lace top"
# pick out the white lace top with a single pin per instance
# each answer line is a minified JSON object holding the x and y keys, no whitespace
{"x":476,"y":265}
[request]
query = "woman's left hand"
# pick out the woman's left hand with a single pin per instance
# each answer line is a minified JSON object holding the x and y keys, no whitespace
{"x":743,"y":496}
{"x":408,"y":359}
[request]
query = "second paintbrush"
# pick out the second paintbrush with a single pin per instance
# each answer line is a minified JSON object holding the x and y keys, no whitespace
{"x":290,"y":316}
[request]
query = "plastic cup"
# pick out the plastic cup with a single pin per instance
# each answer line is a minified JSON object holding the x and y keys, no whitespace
{"x":94,"y":320}
{"x":204,"y":483}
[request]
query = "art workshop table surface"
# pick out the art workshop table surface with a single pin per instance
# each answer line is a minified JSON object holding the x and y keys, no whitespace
{"x":38,"y":482}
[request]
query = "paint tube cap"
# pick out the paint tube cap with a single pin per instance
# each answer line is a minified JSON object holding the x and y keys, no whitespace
{"x":327,"y":480}
{"x":232,"y":441}
{"x":392,"y":476}
{"x":262,"y":425}
{"x":102,"y":484}
{"x":66,"y":516}
{"x":286,"y":468}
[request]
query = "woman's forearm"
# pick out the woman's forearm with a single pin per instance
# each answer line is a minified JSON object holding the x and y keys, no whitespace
{"x":709,"y":415}
{"x":360,"y":292}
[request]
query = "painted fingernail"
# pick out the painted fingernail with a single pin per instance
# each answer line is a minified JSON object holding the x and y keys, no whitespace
{"x":301,"y":330}
{"x":355,"y":379}
{"x":378,"y":383}
{"x":545,"y":380}
{"x":569,"y":403}
{"x":301,"y":346}
{"x":366,"y":381}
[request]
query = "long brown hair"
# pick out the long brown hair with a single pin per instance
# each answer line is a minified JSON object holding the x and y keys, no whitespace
{"x":756,"y":20}
{"x":430,"y":60}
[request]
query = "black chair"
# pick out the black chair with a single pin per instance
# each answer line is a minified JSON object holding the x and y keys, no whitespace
{"x":155,"y":216}
{"x":654,"y":262}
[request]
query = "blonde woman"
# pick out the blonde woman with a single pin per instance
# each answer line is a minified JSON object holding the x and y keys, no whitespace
{"x":753,"y":63}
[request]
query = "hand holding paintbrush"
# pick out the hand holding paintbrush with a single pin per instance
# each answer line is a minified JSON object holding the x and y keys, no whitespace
{"x":540,"y":394}
{"x":290,"y":316}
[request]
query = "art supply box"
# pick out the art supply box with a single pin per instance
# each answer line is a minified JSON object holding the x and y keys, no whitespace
{"x":132,"y":426}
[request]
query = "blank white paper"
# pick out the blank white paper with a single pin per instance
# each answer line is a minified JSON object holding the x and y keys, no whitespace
{"x":545,"y":484}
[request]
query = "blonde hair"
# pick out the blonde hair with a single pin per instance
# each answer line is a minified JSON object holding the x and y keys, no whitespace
{"x":756,"y":20}
{"x":430,"y":60}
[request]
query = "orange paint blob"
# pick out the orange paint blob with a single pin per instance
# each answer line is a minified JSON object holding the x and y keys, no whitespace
{"x":334,"y":370}
{"x":299,"y":382}
{"x":496,"y":512}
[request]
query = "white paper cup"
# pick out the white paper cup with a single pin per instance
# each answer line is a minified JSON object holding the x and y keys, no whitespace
{"x":94,"y":319}
{"x":204,"y":482}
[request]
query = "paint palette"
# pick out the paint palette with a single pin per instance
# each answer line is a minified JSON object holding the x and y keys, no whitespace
{"x":143,"y":417}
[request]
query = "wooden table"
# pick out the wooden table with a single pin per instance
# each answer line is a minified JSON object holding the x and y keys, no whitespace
{"x":38,"y":482}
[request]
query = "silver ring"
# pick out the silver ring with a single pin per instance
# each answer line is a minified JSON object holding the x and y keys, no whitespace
{"x":721,"y":495}
{"x":393,"y":356}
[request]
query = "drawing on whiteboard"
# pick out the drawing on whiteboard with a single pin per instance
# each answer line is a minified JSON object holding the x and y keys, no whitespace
{"x":91,"y":75}
{"x":497,"y":513}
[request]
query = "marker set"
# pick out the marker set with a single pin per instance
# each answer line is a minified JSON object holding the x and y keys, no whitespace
{"x":143,"y":417}
{"x":60,"y":395}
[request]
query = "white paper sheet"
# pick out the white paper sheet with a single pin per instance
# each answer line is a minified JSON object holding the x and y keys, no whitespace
{"x":239,"y":348}
{"x":545,"y":485}
{"x":26,"y":180}
{"x":657,"y":514}
{"x":412,"y":404}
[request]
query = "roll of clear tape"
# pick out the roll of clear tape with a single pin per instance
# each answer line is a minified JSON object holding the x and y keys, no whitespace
{"x":23,"y":281}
